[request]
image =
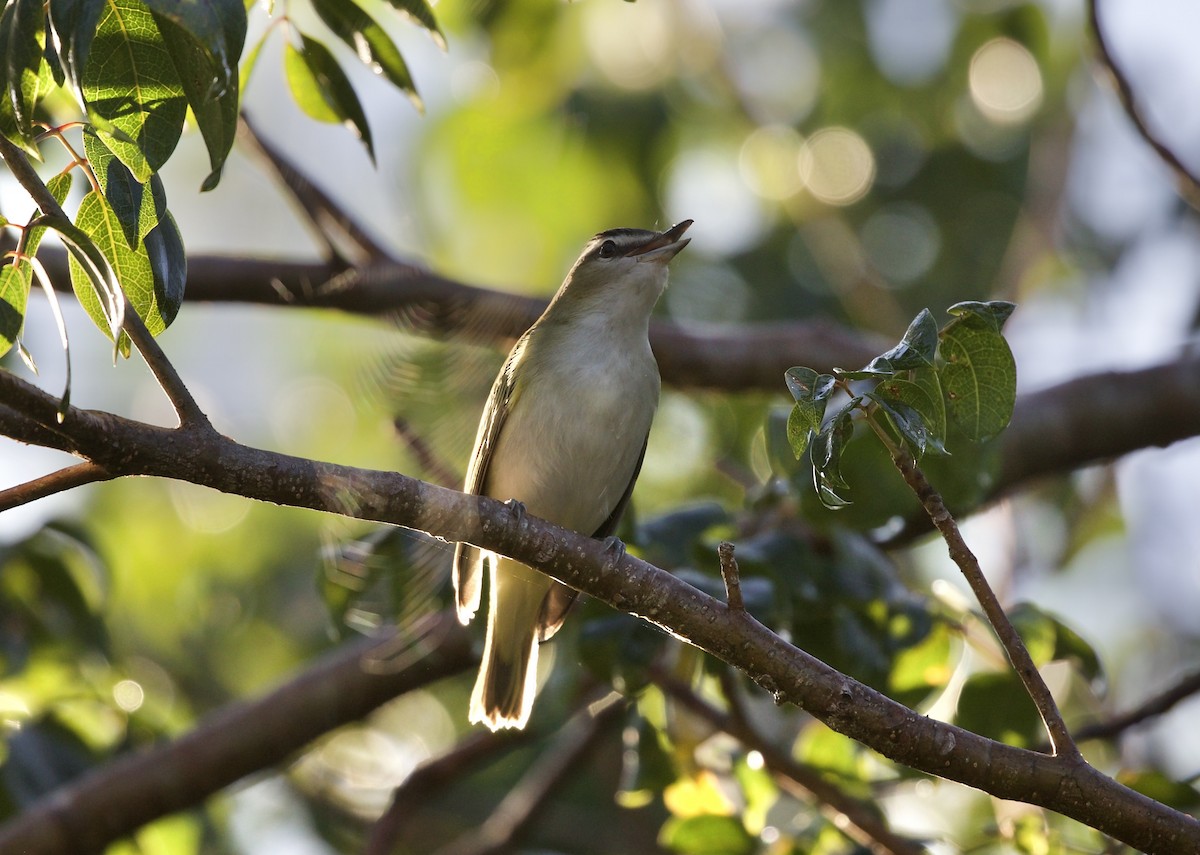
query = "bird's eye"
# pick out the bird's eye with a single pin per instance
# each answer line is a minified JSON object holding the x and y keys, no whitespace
{"x":608,"y":249}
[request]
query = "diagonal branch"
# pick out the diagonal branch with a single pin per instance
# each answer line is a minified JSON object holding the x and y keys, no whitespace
{"x":1186,"y":181}
{"x":329,"y":220}
{"x":55,"y":482}
{"x":1059,"y":783}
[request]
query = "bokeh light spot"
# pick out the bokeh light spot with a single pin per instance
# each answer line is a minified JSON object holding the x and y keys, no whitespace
{"x":129,"y":695}
{"x":837,"y":166}
{"x":1005,"y":82}
{"x":769,"y":162}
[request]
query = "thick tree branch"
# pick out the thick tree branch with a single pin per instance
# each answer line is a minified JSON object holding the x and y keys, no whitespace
{"x":1061,"y":784}
{"x":116,"y":799}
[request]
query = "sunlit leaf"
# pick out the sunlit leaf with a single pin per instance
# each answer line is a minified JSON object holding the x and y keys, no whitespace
{"x":134,"y":203}
{"x":16,"y":278}
{"x":131,"y":83}
{"x":205,"y":49}
{"x":706,"y":835}
{"x":1049,"y":639}
{"x":827,"y":448}
{"x":322,"y":89}
{"x":422,"y":12}
{"x":370,"y":42}
{"x":59,"y":186}
{"x":75,"y":26}
{"x":22,"y":50}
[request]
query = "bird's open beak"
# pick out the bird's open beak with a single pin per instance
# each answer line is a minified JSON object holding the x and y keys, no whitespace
{"x":664,"y":247}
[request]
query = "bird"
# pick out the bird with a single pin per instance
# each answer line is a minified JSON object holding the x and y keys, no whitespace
{"x":562,"y":437}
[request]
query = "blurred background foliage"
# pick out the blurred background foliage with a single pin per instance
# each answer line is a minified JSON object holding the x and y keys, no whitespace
{"x":854,"y":160}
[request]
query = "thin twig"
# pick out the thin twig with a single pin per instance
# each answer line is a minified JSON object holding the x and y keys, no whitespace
{"x":1188,"y":183}
{"x":431,"y":777}
{"x":729,"y":572}
{"x":1155,"y":706}
{"x":854,"y":818}
{"x":1060,"y":738}
{"x":56,"y":482}
{"x":328,"y":219}
{"x":518,"y":808}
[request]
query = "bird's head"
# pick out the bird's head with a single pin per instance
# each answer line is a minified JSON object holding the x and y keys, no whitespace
{"x":622,"y":270}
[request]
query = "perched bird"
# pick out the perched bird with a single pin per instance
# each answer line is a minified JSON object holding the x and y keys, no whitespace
{"x":563,"y":433}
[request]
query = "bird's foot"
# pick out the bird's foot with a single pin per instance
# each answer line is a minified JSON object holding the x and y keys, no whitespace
{"x":615,"y":548}
{"x":516,"y":508}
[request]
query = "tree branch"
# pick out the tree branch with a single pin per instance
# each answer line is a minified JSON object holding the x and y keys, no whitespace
{"x":134,"y":789}
{"x":1155,"y":706}
{"x":1186,"y":181}
{"x":55,"y":482}
{"x":126,"y":447}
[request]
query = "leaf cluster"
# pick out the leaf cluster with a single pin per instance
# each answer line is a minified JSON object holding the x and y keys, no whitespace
{"x":961,"y":376}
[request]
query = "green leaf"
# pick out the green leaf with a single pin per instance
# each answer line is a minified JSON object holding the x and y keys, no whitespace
{"x":16,"y":278}
{"x":996,"y":705}
{"x":620,"y":649}
{"x":422,"y":13}
{"x":322,"y":89}
{"x":168,"y":264}
{"x":706,"y":835}
{"x":134,"y":203}
{"x":130,"y":83}
{"x":923,"y":395}
{"x":646,"y":768}
{"x":22,"y":50}
{"x":1048,"y":639}
{"x":993,"y":312}
{"x":811,"y":391}
{"x":59,"y":186}
{"x":906,"y":420}
{"x":74,"y":23}
{"x":827,"y":449}
{"x":370,"y":42}
{"x":205,"y":53}
{"x":916,"y":349}
{"x":979,"y":376}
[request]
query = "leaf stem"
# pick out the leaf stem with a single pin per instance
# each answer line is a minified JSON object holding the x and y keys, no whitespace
{"x":1018,"y":655}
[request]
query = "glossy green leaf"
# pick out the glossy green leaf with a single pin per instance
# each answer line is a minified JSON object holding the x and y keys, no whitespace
{"x":16,"y":278}
{"x":370,"y":43}
{"x":994,"y":312}
{"x":916,"y":408}
{"x":205,"y":55}
{"x":706,"y":835}
{"x":811,"y":391}
{"x":421,"y":12}
{"x":827,"y":448}
{"x":168,"y":265}
{"x":979,"y":376}
{"x":917,"y":348}
{"x":322,"y":89}
{"x":131,"y":84}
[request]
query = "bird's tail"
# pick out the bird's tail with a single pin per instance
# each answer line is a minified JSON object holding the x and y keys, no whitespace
{"x":507,"y":681}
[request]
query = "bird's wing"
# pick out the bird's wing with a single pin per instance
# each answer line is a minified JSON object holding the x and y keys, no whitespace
{"x":468,"y":560}
{"x":560,"y":597}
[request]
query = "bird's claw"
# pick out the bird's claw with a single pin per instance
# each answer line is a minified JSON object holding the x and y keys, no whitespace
{"x":615,"y":547}
{"x":516,"y":508}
